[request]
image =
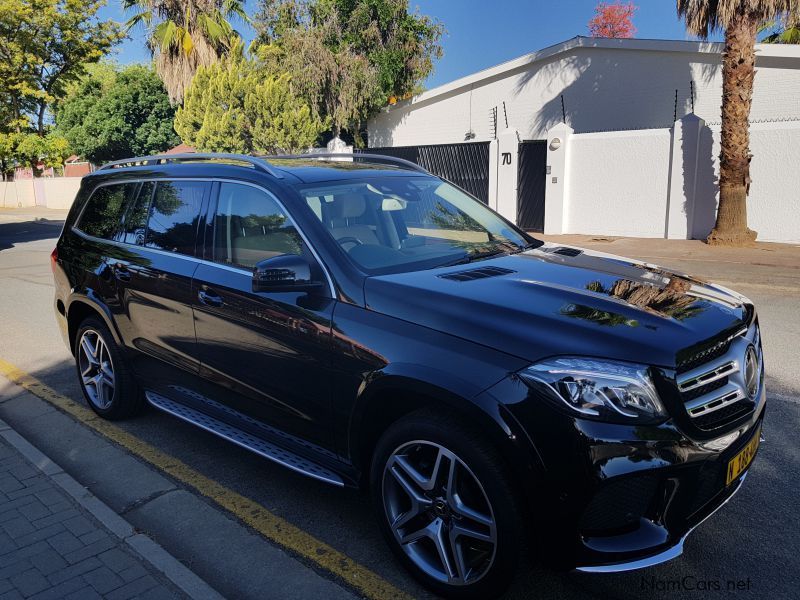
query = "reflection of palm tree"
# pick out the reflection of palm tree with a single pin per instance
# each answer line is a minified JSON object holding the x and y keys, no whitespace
{"x":601,"y":317}
{"x":458,"y":221}
{"x":670,"y":301}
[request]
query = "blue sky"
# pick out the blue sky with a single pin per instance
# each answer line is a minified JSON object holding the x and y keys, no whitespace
{"x":483,"y":33}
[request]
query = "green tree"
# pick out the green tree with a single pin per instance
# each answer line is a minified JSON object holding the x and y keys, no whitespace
{"x":349,"y":57}
{"x":240,"y":105}
{"x":30,"y":150}
{"x":740,"y":20}
{"x":45,"y":46}
{"x":185,"y":35}
{"x":115,"y":116}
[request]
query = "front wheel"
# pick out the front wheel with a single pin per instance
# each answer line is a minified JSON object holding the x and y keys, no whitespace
{"x":446,"y":506}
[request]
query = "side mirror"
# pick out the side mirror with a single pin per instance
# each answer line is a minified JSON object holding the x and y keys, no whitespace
{"x":284,"y":273}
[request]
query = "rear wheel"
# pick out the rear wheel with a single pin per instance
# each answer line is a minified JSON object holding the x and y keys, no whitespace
{"x":106,"y":382}
{"x":446,"y":506}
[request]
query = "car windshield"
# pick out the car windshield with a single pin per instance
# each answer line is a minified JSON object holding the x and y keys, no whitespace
{"x":395,"y":224}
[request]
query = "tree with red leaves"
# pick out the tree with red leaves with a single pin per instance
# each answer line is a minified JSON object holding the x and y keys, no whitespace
{"x":613,"y":20}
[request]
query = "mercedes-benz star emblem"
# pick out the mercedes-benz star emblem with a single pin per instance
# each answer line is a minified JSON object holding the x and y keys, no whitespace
{"x":752,"y":372}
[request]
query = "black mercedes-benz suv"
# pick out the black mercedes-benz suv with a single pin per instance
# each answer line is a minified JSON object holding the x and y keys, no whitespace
{"x":363,"y":322}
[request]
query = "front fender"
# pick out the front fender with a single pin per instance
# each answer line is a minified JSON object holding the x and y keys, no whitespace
{"x":422,"y":386}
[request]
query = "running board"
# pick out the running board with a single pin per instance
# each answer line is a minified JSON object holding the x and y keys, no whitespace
{"x":241,"y":438}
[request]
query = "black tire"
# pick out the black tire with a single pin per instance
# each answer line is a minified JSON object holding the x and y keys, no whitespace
{"x":486,"y":465}
{"x":127,"y":399}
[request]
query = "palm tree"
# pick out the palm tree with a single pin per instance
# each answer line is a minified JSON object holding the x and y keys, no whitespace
{"x":184,"y":35}
{"x":740,"y":19}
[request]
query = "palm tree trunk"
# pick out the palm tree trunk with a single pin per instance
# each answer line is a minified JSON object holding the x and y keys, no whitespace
{"x":738,"y":70}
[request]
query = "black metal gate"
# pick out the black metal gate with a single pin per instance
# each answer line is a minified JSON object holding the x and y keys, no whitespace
{"x":531,"y":184}
{"x":466,"y":165}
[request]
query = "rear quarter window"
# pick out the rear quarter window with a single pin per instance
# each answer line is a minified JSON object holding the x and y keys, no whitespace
{"x":103,"y":212}
{"x":174,"y":215}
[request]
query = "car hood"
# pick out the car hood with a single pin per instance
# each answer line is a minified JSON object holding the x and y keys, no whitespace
{"x":557,"y":300}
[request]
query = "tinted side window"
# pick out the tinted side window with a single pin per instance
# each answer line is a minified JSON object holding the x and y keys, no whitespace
{"x":134,"y":224}
{"x":103,"y":213}
{"x":174,"y":215}
{"x":250,"y":227}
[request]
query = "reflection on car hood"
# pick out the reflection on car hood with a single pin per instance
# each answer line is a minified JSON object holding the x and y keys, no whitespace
{"x":558,"y":300}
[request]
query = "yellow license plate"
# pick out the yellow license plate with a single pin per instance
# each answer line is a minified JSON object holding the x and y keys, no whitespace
{"x":741,"y":461}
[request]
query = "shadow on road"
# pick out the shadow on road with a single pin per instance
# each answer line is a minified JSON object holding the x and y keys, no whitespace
{"x":28,"y":231}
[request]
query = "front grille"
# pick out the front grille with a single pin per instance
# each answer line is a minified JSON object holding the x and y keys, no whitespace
{"x":696,"y":359}
{"x":725,"y":415}
{"x":704,"y":389}
{"x":712,"y":382}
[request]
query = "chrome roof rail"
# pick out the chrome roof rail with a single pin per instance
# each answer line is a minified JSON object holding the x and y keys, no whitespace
{"x":255,"y":161}
{"x":356,"y":155}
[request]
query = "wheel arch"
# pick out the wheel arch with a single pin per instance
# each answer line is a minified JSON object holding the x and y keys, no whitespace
{"x":391,"y":396}
{"x":79,"y":309}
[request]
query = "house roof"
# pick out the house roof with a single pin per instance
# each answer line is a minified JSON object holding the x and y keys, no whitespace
{"x":180,"y":149}
{"x":698,"y":47}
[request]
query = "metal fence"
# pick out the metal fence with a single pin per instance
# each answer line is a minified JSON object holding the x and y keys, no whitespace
{"x":466,"y":165}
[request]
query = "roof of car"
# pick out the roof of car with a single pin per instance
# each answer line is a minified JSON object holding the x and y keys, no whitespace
{"x":311,"y":168}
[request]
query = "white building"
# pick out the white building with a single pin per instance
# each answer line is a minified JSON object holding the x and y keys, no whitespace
{"x":621,"y":166}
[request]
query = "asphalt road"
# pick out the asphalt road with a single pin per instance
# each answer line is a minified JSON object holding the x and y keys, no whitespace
{"x":750,"y":549}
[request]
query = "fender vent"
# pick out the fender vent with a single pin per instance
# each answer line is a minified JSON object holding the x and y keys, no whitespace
{"x":472,"y":274}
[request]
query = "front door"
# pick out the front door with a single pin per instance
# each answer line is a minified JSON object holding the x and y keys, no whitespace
{"x":266,"y":355}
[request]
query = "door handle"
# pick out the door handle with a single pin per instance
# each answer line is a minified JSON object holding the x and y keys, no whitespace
{"x":121,"y":272}
{"x":209,"y":298}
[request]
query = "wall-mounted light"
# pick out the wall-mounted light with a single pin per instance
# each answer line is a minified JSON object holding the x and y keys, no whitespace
{"x":555,"y":144}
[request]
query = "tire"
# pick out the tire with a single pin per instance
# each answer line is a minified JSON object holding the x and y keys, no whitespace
{"x":105,"y":379}
{"x":404,"y":454}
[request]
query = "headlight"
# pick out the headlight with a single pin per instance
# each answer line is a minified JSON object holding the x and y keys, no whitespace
{"x":598,"y":389}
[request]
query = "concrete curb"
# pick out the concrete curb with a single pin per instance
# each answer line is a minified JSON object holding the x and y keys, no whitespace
{"x":143,"y":546}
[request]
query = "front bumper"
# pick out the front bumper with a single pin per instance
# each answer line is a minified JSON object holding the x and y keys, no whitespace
{"x":618,"y":497}
{"x":669,"y":553}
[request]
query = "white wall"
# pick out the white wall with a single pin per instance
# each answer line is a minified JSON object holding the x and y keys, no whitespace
{"x":57,"y":192}
{"x":664,"y":182}
{"x":773,"y":206}
{"x":630,"y":85}
{"x":17,"y":194}
{"x":617,"y":183}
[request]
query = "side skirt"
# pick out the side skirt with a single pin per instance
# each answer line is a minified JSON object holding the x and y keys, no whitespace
{"x":246,"y":440}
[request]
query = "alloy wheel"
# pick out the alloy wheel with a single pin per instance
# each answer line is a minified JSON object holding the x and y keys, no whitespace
{"x":96,"y":369}
{"x":439,"y":513}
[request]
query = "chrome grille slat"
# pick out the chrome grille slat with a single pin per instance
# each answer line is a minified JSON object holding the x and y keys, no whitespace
{"x":728,"y":394}
{"x":707,"y":374}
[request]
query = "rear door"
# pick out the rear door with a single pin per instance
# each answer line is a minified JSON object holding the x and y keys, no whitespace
{"x":152,"y":267}
{"x":266,"y":356}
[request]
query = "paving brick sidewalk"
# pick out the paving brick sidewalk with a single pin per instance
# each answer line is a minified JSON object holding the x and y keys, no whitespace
{"x":50,"y":547}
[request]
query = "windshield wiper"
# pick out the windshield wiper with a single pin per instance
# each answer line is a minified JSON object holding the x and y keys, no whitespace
{"x":526,"y":247}
{"x":470,"y":257}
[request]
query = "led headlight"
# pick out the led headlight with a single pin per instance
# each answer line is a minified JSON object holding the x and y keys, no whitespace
{"x":598,"y":389}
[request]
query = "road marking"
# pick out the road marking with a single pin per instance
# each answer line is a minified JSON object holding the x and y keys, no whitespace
{"x":268,"y":524}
